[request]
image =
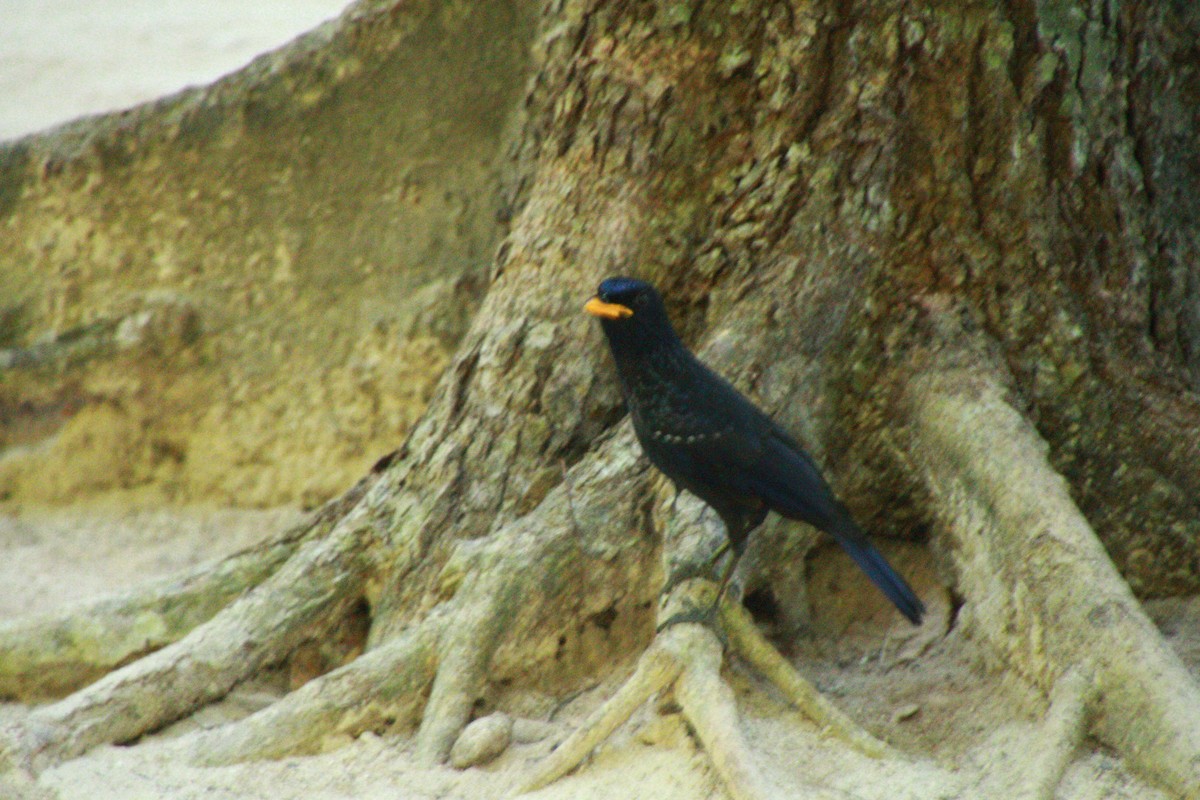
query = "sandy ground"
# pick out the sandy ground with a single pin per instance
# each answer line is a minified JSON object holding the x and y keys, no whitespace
{"x":967,"y":731}
{"x":60,"y":59}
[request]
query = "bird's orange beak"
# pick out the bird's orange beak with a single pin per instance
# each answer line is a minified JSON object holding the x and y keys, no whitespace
{"x":598,"y":308}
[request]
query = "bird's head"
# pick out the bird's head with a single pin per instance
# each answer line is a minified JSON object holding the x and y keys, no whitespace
{"x":622,"y":298}
{"x":632,"y":314}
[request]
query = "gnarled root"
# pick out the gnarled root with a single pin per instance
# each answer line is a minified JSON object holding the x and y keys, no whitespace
{"x":508,"y":586}
{"x":49,"y":655}
{"x":1042,"y":593}
{"x":465,"y":653}
{"x":1062,"y":731}
{"x":381,"y":688}
{"x":658,"y":668}
{"x":52,"y":654}
{"x":687,"y":657}
{"x":708,"y":703}
{"x":260,"y":628}
{"x":748,"y":642}
{"x":528,"y":582}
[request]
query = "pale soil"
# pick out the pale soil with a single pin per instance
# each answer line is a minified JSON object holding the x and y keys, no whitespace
{"x":967,"y":729}
{"x":60,"y":59}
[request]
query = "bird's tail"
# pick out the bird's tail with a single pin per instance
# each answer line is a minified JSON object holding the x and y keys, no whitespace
{"x":872,"y":562}
{"x":790,"y":484}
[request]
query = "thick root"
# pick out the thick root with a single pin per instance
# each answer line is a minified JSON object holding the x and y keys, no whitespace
{"x":1043,"y":594}
{"x":491,"y":591}
{"x":657,"y":669}
{"x":708,"y":704}
{"x":465,"y":652}
{"x":259,"y":629}
{"x":536,"y":577}
{"x":50,"y":655}
{"x":748,"y":642}
{"x":53,"y":654}
{"x":1062,"y":733}
{"x":381,"y":688}
{"x":687,"y":656}
{"x":523,"y":582}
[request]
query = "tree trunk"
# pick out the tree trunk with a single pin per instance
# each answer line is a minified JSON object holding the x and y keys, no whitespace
{"x":951,"y":247}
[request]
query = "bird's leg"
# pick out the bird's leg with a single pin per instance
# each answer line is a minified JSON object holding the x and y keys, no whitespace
{"x":689,"y":571}
{"x":709,"y":614}
{"x":716,"y":556}
{"x":725,"y":576}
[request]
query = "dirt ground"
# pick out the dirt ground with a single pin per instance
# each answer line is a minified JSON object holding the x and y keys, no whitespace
{"x":966,"y":728}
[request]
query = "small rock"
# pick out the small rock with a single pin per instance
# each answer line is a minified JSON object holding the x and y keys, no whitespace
{"x":482,"y":741}
{"x":370,"y":740}
{"x":906,"y":712}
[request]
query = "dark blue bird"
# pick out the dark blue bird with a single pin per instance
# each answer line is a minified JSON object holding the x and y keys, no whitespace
{"x":713,"y":442}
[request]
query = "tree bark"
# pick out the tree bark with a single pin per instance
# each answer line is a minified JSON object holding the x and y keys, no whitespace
{"x":947,"y":245}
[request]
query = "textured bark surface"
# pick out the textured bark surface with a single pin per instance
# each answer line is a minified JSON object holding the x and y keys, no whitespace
{"x":945,"y":245}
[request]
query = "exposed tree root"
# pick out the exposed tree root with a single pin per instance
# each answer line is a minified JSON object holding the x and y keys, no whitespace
{"x":49,"y":655}
{"x":687,"y":657}
{"x":707,"y":702}
{"x":381,"y":688}
{"x":658,"y":668}
{"x":527,"y":582}
{"x":52,"y":654}
{"x":435,"y":666}
{"x":1028,"y":564}
{"x":259,"y":629}
{"x":1041,"y":592}
{"x":1062,"y":733}
{"x":465,"y":652}
{"x":748,"y":642}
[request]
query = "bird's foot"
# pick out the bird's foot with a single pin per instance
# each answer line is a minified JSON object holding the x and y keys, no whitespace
{"x":697,"y":605}
{"x":700,"y":616}
{"x":686,"y":572}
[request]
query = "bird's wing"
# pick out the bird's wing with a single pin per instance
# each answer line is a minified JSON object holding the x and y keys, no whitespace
{"x":738,"y":460}
{"x":702,"y":433}
{"x":731,"y":443}
{"x":788,"y":481}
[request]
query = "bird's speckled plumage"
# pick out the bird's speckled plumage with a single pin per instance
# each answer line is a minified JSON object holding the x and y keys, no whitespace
{"x":713,"y":442}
